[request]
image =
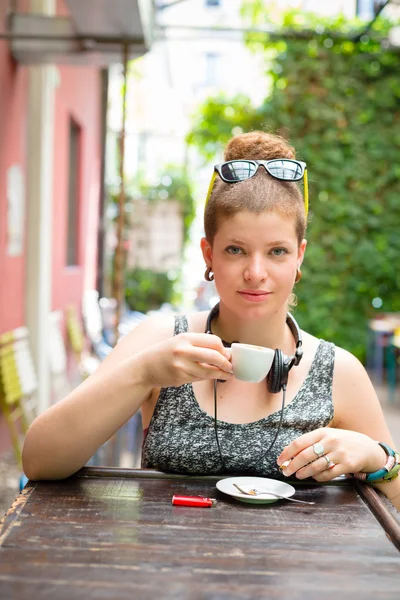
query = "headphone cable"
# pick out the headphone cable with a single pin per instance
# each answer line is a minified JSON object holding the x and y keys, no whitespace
{"x":273,"y":441}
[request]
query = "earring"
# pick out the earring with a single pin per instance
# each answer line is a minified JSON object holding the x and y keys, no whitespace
{"x":299,"y":275}
{"x":209,"y":275}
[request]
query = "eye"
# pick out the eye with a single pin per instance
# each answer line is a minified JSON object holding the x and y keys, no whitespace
{"x":234,"y":250}
{"x":279,"y":251}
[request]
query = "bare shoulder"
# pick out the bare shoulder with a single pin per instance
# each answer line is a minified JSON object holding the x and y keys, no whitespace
{"x":348,"y":367}
{"x":150,"y":331}
{"x":356,"y":403}
{"x":350,"y":378}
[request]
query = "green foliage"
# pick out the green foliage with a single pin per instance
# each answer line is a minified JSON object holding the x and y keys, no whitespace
{"x":338,"y":101}
{"x":218,"y":119}
{"x":146,"y":290}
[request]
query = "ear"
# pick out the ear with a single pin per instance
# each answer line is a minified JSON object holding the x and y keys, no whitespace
{"x":207,"y":251}
{"x":301,"y":252}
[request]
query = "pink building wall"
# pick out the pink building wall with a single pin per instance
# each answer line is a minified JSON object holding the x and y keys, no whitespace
{"x":78,"y":96}
{"x":13,"y":102}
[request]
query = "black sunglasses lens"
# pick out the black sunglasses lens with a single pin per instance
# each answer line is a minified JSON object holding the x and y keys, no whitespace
{"x":238,"y":170}
{"x":285,"y":169}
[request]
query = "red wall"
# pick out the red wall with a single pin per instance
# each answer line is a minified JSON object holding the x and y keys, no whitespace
{"x":13,"y":101}
{"x":13,"y":91}
{"x":78,"y":96}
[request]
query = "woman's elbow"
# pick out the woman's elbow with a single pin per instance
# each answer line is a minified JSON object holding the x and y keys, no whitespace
{"x":35,"y":461}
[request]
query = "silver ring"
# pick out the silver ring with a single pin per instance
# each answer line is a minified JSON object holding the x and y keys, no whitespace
{"x":319,"y":449}
{"x":329,"y":463}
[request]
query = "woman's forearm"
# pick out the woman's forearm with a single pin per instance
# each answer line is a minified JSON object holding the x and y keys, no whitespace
{"x":396,"y":501}
{"x":63,"y":438}
{"x":391,"y":491}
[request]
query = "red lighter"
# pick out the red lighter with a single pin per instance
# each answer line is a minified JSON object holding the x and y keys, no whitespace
{"x":198,"y":501}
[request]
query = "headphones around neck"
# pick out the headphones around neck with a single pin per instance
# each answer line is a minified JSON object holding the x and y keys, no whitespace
{"x":277,"y":377}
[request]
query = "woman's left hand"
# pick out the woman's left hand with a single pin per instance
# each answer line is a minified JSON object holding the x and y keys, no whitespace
{"x":337,"y":451}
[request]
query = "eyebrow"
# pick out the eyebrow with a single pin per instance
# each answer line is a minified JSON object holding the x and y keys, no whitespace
{"x":275,"y":243}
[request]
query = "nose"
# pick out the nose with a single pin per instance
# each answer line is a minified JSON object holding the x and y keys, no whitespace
{"x":256,"y":269}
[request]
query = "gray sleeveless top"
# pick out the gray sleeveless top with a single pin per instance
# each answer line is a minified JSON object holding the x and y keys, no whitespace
{"x":181,"y":436}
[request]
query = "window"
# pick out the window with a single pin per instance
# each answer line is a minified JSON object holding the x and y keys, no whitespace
{"x":367,"y":9}
{"x":212,"y":62}
{"x":73,"y":193}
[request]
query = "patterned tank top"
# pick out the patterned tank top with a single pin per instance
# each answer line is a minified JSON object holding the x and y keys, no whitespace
{"x":181,"y":436}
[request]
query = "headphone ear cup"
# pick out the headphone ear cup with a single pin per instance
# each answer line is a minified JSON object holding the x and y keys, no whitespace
{"x":274,"y":379}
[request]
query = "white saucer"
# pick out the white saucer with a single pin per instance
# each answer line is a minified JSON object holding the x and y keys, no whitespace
{"x":260,"y":483}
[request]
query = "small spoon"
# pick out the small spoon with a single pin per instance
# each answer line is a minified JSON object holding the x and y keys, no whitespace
{"x":255,"y":492}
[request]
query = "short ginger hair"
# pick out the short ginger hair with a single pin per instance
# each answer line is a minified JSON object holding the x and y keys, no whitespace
{"x":259,"y":193}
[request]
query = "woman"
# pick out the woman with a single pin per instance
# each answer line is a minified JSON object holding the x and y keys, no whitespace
{"x":255,"y":221}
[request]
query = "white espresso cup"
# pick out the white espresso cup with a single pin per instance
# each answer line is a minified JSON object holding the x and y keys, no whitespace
{"x":251,"y":363}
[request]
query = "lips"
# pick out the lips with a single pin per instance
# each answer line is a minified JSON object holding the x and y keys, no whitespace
{"x":254,"y":295}
{"x":254,"y":292}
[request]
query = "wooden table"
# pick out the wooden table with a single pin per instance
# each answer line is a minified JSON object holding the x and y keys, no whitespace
{"x":113,"y":533}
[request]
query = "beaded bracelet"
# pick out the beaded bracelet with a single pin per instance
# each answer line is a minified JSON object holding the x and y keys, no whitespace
{"x":388,"y":472}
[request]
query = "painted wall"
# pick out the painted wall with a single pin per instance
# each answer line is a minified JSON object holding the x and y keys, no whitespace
{"x":13,"y":92}
{"x":13,"y":102}
{"x":78,"y":96}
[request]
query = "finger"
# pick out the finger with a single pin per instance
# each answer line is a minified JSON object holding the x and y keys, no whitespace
{"x":207,"y":340}
{"x":317,"y":467}
{"x":304,"y":458}
{"x":209,"y":357}
{"x":329,"y":474}
{"x":199,"y":372}
{"x":211,"y":372}
{"x":300,"y":444}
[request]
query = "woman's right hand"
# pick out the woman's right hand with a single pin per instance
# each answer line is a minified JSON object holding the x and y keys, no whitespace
{"x":186,"y":358}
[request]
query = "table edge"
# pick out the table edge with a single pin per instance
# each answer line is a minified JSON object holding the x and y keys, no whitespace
{"x":154,"y":474}
{"x":381,"y":512}
{"x":11,"y":516}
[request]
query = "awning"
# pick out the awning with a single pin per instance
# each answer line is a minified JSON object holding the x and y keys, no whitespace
{"x":93,"y":34}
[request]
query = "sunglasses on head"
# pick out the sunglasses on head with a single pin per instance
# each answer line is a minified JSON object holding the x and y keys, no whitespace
{"x":284,"y":169}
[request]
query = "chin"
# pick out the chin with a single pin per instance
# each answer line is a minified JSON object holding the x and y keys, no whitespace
{"x":249,"y":310}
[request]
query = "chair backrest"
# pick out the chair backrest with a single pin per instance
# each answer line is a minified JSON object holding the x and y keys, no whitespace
{"x":18,"y":384}
{"x":9,"y":376}
{"x":75,"y":330}
{"x":17,"y":371}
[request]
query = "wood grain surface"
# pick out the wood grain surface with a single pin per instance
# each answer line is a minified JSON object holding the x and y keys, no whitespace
{"x":110,"y":533}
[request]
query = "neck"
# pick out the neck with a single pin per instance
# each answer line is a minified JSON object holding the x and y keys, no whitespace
{"x":271,"y":333}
